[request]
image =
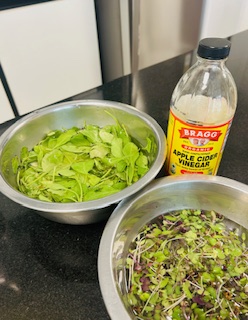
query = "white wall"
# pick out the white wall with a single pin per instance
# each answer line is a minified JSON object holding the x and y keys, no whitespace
{"x":49,"y":51}
{"x":223,"y":18}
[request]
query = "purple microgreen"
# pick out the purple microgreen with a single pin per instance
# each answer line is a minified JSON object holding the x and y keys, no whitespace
{"x":198,"y":273}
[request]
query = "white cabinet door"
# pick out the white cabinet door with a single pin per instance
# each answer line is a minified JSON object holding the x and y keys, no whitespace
{"x":49,"y":51}
{"x":6,"y":112}
{"x":223,"y":18}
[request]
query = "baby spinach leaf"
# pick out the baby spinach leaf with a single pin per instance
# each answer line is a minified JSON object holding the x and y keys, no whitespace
{"x":81,"y":164}
{"x":51,"y":160}
{"x":116,"y":147}
{"x":92,"y":133}
{"x":106,"y":136}
{"x":65,"y":137}
{"x":80,"y":140}
{"x":99,"y":151}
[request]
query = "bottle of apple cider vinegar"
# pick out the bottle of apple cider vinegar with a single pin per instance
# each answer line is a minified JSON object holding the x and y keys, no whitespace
{"x":202,"y":108}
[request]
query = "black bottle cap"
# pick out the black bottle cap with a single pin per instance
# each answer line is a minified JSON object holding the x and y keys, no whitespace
{"x":214,"y":48}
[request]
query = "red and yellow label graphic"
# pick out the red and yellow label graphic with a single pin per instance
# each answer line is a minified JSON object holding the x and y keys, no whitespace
{"x":194,"y":149}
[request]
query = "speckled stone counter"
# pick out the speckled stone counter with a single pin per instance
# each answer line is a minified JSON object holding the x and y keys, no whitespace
{"x":48,"y":271}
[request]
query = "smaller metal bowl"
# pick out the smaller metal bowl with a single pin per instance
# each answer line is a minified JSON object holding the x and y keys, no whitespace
{"x":223,"y":195}
{"x":30,"y":129}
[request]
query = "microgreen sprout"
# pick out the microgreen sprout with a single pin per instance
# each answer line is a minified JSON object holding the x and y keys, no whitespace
{"x":188,"y":265}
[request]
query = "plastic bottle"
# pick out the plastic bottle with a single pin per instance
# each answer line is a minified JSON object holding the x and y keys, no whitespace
{"x":202,"y":107}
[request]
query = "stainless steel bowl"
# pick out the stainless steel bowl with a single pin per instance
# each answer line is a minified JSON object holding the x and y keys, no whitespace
{"x":31,"y":129}
{"x":223,"y":195}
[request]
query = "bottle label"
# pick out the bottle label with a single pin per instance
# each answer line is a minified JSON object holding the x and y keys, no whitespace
{"x":194,"y":149}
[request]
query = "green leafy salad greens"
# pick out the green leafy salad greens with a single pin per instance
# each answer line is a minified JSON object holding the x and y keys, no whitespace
{"x":188,"y":265}
{"x":81,"y":164}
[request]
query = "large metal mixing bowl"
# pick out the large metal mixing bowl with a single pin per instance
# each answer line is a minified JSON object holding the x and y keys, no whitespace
{"x":30,"y":129}
{"x":223,"y":195}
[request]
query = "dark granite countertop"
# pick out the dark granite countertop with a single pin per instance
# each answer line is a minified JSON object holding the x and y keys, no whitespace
{"x":48,"y":271}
